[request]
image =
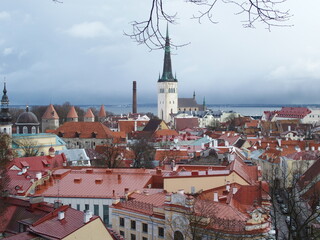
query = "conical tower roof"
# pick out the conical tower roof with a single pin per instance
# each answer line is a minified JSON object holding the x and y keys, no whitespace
{"x":102,"y":112}
{"x":167,"y":75}
{"x":72,"y":113}
{"x":89,"y":114}
{"x":50,"y":113}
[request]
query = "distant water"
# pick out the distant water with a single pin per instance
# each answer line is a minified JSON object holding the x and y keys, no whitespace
{"x":244,"y":109}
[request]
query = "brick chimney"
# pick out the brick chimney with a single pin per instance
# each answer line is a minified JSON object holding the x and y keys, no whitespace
{"x":134,"y":97}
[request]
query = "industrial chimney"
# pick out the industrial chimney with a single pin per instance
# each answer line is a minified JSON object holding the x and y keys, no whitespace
{"x":134,"y":97}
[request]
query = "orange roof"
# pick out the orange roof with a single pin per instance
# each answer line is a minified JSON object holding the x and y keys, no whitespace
{"x":84,"y":130}
{"x":89,"y":114}
{"x":102,"y":112}
{"x":72,"y":113}
{"x":50,"y":113}
{"x":165,"y":132}
{"x":128,"y":126}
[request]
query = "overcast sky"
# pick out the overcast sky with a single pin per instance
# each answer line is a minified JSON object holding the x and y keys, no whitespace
{"x":76,"y":51}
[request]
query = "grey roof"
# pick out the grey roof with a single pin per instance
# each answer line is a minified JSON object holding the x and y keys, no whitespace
{"x":187,"y":102}
{"x":74,"y":154}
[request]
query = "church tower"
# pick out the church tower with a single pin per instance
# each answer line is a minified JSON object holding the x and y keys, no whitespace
{"x":167,"y":87}
{"x":5,"y":116}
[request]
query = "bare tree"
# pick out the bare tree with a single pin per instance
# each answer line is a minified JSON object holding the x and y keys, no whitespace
{"x":293,"y":214}
{"x":112,"y":156}
{"x":5,"y":157}
{"x":143,"y":153}
{"x":149,"y":31}
{"x":28,"y":147}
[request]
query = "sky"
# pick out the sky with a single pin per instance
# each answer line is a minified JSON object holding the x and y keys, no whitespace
{"x":76,"y":51}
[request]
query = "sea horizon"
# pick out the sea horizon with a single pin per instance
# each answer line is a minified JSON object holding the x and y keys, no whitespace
{"x":244,"y":109}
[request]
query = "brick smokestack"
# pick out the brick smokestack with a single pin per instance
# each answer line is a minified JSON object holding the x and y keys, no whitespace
{"x":134,"y":97}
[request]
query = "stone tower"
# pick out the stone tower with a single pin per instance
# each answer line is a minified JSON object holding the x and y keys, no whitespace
{"x":72,"y":115}
{"x":50,"y":119}
{"x":5,"y":116}
{"x":167,"y":87}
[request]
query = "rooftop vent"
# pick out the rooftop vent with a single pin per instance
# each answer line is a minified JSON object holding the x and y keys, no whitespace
{"x":98,"y":181}
{"x":89,"y":171}
{"x":77,"y":180}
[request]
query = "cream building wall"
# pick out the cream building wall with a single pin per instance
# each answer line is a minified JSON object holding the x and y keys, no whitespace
{"x":94,"y":230}
{"x":42,"y":141}
{"x":174,"y":184}
{"x":167,"y":100}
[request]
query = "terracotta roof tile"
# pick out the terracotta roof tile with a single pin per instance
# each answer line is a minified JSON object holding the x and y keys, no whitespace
{"x":89,"y":114}
{"x":112,"y":180}
{"x":50,"y":113}
{"x":85,"y":129}
{"x":102,"y":112}
{"x":72,"y":113}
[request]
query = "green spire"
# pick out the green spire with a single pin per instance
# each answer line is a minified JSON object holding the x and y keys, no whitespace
{"x":167,"y":75}
{"x":204,"y":103}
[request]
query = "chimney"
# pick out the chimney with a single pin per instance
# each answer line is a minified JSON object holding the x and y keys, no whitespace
{"x":215,"y":197}
{"x":234,"y":190}
{"x":38,"y":175}
{"x":87,"y":216}
{"x":57,"y":204}
{"x":228,"y":186}
{"x":60,"y":215}
{"x":181,"y":191}
{"x":134,"y":97}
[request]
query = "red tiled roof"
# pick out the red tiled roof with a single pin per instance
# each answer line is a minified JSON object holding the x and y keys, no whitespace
{"x":102,"y":112}
{"x":39,"y":163}
{"x":50,"y":113}
{"x":89,"y":114}
{"x":183,"y":123}
{"x":72,"y":113}
{"x":112,"y":180}
{"x":85,"y":129}
{"x":293,"y":112}
{"x":50,"y":226}
{"x":166,"y":133}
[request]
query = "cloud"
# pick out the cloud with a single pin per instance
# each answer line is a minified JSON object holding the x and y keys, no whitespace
{"x":300,"y":69}
{"x":89,"y":30}
{"x":7,"y":51}
{"x":4,"y":15}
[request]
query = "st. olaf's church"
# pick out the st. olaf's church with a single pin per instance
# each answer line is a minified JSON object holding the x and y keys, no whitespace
{"x":168,"y":102}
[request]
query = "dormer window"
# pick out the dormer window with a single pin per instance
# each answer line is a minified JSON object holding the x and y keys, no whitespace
{"x":78,"y":134}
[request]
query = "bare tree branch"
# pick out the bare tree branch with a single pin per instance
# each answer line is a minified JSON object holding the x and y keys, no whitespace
{"x":149,"y":31}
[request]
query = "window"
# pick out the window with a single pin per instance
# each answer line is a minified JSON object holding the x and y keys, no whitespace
{"x":25,"y":130}
{"x":121,"y":221}
{"x":144,"y":238}
{"x":133,"y":224}
{"x":33,"y":130}
{"x":78,"y":207}
{"x":5,"y":130}
{"x":106,"y":214}
{"x":160,"y":232}
{"x":133,"y":237}
{"x":144,"y":227}
{"x":96,"y":209}
{"x":122,"y":233}
{"x":86,"y":207}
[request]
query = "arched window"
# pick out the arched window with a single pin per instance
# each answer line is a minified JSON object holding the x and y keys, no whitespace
{"x":178,"y":235}
{"x":5,"y":130}
{"x":24,"y":130}
{"x":33,"y":130}
{"x":18,"y":129}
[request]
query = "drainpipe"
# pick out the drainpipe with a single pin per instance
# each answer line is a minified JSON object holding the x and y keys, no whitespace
{"x":151,"y":226}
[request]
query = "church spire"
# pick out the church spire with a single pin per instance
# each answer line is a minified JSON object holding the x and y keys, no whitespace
{"x":167,"y":75}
